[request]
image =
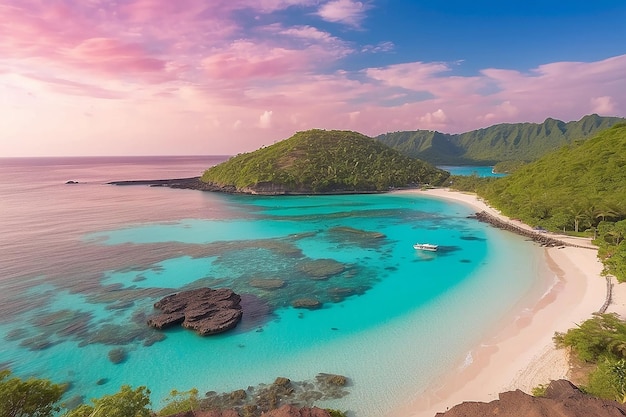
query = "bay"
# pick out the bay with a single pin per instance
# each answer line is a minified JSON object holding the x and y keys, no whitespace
{"x":82,"y":264}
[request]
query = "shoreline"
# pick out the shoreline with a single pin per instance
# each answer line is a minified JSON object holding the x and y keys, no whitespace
{"x":520,"y":353}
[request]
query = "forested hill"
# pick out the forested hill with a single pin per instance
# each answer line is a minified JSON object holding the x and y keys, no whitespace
{"x":578,"y":187}
{"x":584,"y":181}
{"x":321,"y":161}
{"x":502,"y":142}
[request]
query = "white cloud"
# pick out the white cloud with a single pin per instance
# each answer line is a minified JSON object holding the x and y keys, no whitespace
{"x":379,"y":47}
{"x":265,"y":120}
{"x":603,"y":105}
{"x":348,"y":12}
{"x":435,"y":118}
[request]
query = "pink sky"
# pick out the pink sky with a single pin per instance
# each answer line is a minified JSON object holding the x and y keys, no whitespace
{"x":150,"y":77}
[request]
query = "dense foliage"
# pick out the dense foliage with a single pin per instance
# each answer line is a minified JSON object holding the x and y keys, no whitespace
{"x":502,"y":142}
{"x":319,"y":161}
{"x":600,"y":340}
{"x":578,"y":187}
{"x":508,"y":167}
{"x":30,"y":398}
{"x":126,"y":403}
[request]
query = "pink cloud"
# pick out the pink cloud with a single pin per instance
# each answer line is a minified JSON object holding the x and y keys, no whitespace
{"x":246,"y":60}
{"x":348,"y":12}
{"x":113,"y":57}
{"x":190,"y":65}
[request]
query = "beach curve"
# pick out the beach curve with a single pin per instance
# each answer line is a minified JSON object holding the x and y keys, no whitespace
{"x":520,"y":354}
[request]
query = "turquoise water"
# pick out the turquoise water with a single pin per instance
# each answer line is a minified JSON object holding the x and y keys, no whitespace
{"x":392,"y":319}
{"x":467,"y":170}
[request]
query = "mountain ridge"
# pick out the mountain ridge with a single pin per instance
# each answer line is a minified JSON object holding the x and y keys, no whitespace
{"x":502,"y":142}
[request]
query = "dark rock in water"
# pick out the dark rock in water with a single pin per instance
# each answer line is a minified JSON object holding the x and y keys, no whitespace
{"x":320,"y":269}
{"x":562,"y":399}
{"x":102,"y":381}
{"x":204,"y":310}
{"x":283,"y":397}
{"x":310,"y":303}
{"x":267,"y":284}
{"x":117,"y":355}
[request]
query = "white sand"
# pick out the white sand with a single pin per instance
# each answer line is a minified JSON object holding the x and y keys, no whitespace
{"x":522,"y":354}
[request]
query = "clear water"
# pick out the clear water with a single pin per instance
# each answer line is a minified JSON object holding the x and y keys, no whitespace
{"x":82,"y":264}
{"x":467,"y":170}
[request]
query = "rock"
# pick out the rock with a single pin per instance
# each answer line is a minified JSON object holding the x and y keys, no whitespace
{"x":562,"y":399}
{"x":332,"y":379}
{"x":319,"y":269}
{"x":267,"y":284}
{"x":204,"y":310}
{"x":291,"y":411}
{"x":117,"y":355}
{"x":310,"y":303}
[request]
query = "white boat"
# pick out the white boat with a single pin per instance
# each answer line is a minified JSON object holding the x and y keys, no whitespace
{"x":426,"y":246}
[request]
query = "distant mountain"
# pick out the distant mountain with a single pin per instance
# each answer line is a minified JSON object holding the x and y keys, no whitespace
{"x":502,"y":142}
{"x":321,"y":161}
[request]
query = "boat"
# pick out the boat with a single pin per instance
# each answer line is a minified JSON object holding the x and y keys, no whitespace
{"x":426,"y":246}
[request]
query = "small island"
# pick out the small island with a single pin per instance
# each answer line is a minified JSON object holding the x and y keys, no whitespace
{"x":313,"y":162}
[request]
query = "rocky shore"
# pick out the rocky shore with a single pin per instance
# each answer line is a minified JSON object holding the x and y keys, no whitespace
{"x":540,"y":236}
{"x":266,"y":188}
{"x":192,"y":183}
{"x":561,"y":398}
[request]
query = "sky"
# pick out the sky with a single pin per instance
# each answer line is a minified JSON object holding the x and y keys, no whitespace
{"x":222,"y":77}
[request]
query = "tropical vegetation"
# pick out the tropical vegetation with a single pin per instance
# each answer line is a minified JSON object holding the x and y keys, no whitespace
{"x":579,"y":188}
{"x":321,"y":161}
{"x":502,"y":142}
{"x":600,"y":341}
{"x":28,"y":398}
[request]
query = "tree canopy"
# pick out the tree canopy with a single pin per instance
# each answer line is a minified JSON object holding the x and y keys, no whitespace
{"x":575,"y":187}
{"x":319,"y":161}
{"x":28,"y":398}
{"x":580,"y":187}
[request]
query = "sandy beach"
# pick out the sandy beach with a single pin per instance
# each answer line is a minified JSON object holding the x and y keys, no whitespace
{"x":521,"y":354}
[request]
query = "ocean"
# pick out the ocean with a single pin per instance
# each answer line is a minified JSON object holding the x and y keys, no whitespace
{"x":82,"y":264}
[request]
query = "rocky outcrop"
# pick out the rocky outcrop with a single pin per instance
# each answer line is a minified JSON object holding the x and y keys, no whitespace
{"x":284,"y":411}
{"x":562,"y":399}
{"x":204,"y":310}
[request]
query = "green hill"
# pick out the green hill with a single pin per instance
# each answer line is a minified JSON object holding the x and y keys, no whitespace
{"x":320,"y":161}
{"x":502,"y":142}
{"x":581,"y":186}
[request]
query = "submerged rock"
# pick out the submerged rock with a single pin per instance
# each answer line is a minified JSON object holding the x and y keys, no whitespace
{"x":204,"y":310}
{"x":117,"y":355}
{"x":310,"y":303}
{"x":267,"y":284}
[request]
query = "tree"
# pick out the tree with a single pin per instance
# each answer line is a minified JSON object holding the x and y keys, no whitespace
{"x":31,"y":398}
{"x":178,"y":402}
{"x":126,"y":403}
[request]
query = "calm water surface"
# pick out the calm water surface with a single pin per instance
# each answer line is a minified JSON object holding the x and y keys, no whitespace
{"x":82,"y":264}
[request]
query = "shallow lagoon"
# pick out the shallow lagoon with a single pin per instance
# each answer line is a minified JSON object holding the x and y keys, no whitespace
{"x":392,"y":320}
